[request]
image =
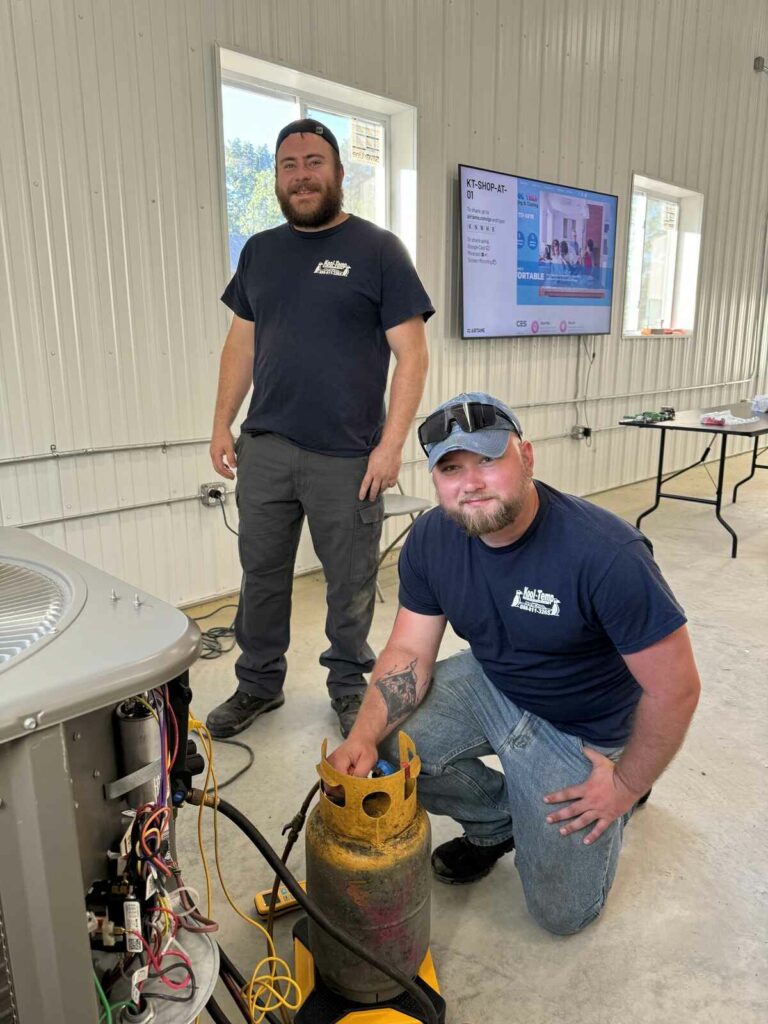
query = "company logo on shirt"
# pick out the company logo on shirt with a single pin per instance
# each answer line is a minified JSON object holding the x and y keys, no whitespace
{"x":333,"y":267}
{"x":531,"y":599}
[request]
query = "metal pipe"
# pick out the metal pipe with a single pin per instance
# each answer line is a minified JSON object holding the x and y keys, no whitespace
{"x":632,"y":394}
{"x":165,"y":445}
{"x":110,"y":511}
{"x":407,"y":462}
{"x":75,"y":452}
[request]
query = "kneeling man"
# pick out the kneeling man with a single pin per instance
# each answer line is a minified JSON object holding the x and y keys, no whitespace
{"x":579,"y":675}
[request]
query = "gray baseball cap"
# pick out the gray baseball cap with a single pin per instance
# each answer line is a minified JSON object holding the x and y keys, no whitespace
{"x":490,"y":441}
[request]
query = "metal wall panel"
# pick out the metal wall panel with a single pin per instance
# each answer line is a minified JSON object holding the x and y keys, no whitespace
{"x":112,"y":233}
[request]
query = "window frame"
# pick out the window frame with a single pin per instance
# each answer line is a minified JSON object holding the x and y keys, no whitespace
{"x":338,"y":99}
{"x":664,"y":191}
{"x":307,"y":99}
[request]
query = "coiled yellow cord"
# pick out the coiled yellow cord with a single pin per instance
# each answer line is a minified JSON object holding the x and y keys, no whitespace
{"x":265,"y":985}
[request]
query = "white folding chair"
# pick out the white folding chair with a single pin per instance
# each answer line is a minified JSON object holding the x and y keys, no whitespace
{"x":398,"y":504}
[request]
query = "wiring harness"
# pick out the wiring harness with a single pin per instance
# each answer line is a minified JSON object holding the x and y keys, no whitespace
{"x":159,"y":908}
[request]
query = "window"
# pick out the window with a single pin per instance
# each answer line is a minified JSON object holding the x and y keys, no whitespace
{"x":376,"y":139}
{"x":662,"y":258}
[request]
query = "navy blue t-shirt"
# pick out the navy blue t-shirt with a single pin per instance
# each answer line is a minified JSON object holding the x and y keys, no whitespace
{"x":549,"y":616}
{"x":321,"y":302}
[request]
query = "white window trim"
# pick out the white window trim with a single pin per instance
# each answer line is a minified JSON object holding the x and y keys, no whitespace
{"x":241,"y":69}
{"x":661,"y":190}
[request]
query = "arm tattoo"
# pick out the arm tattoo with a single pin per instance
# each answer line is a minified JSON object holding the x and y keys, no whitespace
{"x":398,"y":690}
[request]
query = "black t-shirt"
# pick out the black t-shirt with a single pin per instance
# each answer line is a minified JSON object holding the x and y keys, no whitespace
{"x":549,"y":616}
{"x":321,"y":302}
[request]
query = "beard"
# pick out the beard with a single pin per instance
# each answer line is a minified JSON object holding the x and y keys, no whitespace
{"x":480,"y":522}
{"x":328,"y":209}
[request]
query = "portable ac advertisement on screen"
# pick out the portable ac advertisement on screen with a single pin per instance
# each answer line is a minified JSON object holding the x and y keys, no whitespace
{"x":537,"y":258}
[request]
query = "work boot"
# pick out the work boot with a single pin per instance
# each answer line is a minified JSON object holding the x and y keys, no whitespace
{"x":346,"y":708}
{"x":238,"y":711}
{"x":460,"y":861}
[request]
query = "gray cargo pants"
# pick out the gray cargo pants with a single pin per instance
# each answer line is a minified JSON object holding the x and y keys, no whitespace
{"x":278,"y":484}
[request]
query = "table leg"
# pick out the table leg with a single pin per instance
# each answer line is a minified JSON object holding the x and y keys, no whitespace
{"x":754,"y":465}
{"x":659,"y":479}
{"x":719,"y":496}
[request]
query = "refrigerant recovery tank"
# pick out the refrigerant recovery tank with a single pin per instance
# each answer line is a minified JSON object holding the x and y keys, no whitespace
{"x":368,"y":868}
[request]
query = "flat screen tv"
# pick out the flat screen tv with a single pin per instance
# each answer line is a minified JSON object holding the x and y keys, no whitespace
{"x":537,"y":258}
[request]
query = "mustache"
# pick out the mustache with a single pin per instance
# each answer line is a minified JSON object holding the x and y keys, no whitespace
{"x":478,"y":497}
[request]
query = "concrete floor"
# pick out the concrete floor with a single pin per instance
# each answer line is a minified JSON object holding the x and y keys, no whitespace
{"x":684,"y":936}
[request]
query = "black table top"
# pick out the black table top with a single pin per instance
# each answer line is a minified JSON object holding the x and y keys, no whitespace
{"x":689,"y":419}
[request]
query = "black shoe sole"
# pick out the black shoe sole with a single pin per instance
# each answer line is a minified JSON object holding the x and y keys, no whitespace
{"x":461,"y":881}
{"x":224,"y":734}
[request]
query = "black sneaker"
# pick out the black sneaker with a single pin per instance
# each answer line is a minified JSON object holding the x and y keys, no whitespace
{"x":460,"y":861}
{"x":237,"y":713}
{"x":346,"y":708}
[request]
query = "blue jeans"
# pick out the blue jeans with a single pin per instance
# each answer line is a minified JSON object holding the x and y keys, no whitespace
{"x":464,"y":717}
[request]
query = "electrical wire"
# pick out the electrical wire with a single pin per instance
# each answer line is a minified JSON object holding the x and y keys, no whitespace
{"x":214,"y":648}
{"x":168,"y":964}
{"x":212,"y":642}
{"x":293,"y":828}
{"x":175,"y":727}
{"x":190,"y":984}
{"x":309,"y":905}
{"x":148,"y":706}
{"x":240,"y":771}
{"x":226,"y":521}
{"x":259,"y":983}
{"x":209,"y":615}
{"x":212,"y":638}
{"x":107,"y":1015}
{"x":590,"y":364}
{"x":148,"y":826}
{"x":109,"y":1009}
{"x":231,"y":976}
{"x":157,"y":964}
{"x":266,"y":984}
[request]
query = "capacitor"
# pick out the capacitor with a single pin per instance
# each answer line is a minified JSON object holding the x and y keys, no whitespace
{"x":139,"y":744}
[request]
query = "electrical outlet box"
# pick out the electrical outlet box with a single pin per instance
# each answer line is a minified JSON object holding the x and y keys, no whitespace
{"x":578,"y":433}
{"x":212,"y":494}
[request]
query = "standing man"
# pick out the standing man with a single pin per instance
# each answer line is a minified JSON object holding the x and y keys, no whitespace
{"x":580,"y":675}
{"x":319,"y":303}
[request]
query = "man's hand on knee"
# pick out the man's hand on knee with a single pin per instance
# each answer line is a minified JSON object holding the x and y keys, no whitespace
{"x":599,"y":801}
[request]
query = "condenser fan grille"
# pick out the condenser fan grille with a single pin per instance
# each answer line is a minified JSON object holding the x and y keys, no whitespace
{"x":31,"y":604}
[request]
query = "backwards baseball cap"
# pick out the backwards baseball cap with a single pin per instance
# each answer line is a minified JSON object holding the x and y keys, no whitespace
{"x":307,"y":125}
{"x":473,"y":422}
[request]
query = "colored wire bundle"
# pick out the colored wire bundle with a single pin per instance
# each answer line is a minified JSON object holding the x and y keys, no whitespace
{"x":264,"y":992}
{"x":170,"y":907}
{"x":156,"y":958}
{"x":150,"y":823}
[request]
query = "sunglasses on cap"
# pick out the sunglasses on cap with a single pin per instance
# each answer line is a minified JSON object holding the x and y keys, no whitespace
{"x":470,"y":416}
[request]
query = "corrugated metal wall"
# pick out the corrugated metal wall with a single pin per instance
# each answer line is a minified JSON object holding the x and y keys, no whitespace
{"x":112,"y":232}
